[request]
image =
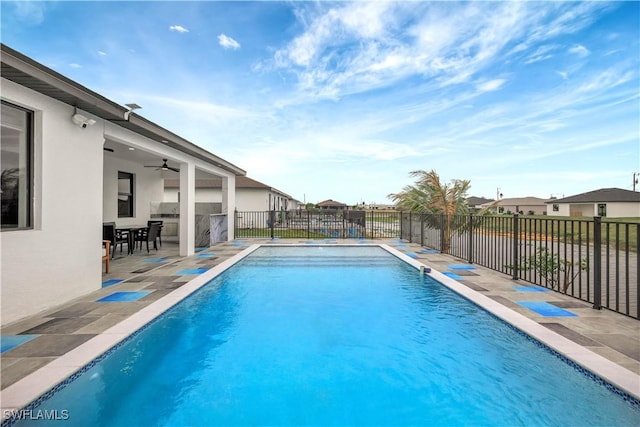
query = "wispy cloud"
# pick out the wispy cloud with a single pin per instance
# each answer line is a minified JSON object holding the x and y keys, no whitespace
{"x":75,"y":65}
{"x":491,"y":85}
{"x":30,"y":12}
{"x":102,"y":53}
{"x":357,"y":47}
{"x":579,"y":50}
{"x":227,"y":42}
{"x":178,"y":29}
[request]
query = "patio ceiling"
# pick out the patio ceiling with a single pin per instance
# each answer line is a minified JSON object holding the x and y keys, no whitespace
{"x":122,"y":151}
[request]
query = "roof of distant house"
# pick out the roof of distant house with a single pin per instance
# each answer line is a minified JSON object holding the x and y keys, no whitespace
{"x":601,"y":195}
{"x":329,"y":203}
{"x":518,"y":201}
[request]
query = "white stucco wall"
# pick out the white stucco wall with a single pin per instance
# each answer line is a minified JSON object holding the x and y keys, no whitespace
{"x":148,"y":188}
{"x":614,"y":210}
{"x":60,"y":259}
{"x":622,"y":210}
{"x":563,"y":210}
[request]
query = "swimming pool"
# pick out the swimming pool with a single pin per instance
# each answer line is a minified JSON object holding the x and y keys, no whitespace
{"x":333,"y":336}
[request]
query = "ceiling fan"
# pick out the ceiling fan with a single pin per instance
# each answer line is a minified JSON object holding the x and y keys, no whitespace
{"x":164,"y":167}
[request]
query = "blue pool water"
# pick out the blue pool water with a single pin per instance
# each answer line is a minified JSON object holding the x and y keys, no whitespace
{"x":333,"y":336}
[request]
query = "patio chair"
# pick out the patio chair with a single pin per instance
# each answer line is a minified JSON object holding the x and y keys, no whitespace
{"x":153,"y":221}
{"x":149,"y":234}
{"x":114,"y":236}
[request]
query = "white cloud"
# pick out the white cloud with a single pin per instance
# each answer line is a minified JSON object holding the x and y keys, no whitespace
{"x":563,"y":74}
{"x":579,"y":50}
{"x":227,"y":42}
{"x":75,"y":65}
{"x":101,"y":53}
{"x":491,"y":85}
{"x":178,"y":29}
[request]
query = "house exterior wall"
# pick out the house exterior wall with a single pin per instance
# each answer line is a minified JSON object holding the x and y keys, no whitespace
{"x":148,"y":187}
{"x":537,"y":209}
{"x":59,"y":259}
{"x":614,"y":209}
{"x":563,"y":209}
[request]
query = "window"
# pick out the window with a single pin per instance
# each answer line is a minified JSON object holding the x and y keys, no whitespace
{"x":125,"y":195}
{"x":16,"y":162}
{"x":556,"y":207}
{"x":602,"y":209}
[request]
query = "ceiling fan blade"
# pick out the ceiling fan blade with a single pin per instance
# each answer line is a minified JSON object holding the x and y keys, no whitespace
{"x":108,"y":149}
{"x":173,"y":169}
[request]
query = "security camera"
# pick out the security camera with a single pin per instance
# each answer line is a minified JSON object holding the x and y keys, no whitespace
{"x":82,"y":121}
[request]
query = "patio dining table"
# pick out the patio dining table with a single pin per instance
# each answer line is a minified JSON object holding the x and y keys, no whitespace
{"x":131,"y":231}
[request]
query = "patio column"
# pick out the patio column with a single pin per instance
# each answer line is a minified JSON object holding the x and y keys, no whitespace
{"x":187,"y":208}
{"x":229,"y":203}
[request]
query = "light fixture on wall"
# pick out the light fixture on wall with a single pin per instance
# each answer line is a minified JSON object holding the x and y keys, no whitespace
{"x":81,"y":120}
{"x":131,"y":107}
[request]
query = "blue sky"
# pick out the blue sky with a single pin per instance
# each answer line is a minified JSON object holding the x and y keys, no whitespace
{"x":342,"y":100}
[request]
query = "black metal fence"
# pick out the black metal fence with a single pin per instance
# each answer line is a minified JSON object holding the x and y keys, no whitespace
{"x":305,"y":224}
{"x":594,"y":260}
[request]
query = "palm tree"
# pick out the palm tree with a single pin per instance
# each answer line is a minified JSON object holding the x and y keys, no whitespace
{"x":429,"y":195}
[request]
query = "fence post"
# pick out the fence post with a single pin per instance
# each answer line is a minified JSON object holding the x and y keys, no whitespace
{"x":410,"y":227}
{"x":516,"y":244}
{"x":442,"y":237}
{"x":272,"y":219}
{"x":470,"y":250}
{"x":597,"y":262}
{"x":421,"y":229}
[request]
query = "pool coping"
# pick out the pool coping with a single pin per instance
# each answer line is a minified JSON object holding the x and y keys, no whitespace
{"x":28,"y":389}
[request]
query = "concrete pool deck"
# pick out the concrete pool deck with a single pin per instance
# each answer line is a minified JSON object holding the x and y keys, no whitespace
{"x":43,"y":350}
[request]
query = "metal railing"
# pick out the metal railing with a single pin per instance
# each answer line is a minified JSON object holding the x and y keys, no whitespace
{"x":594,"y":260}
{"x":323,"y":224}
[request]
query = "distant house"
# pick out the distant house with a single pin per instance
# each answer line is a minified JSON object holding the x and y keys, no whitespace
{"x":606,"y":202}
{"x":521,"y":205}
{"x":380,"y":207}
{"x":332,"y":205}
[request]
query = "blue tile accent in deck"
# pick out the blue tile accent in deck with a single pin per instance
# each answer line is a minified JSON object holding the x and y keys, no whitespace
{"x":199,"y":249}
{"x":461,"y":267}
{"x":529,"y":289}
{"x":546,"y":309}
{"x":211,"y":255}
{"x":8,"y":342}
{"x":411,"y":255}
{"x":192,"y":271}
{"x":452,"y":275}
{"x":428,"y":251}
{"x":155,"y":260}
{"x":330,"y":240}
{"x":124,"y":296}
{"x":401,"y":245}
{"x":111,"y":282}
